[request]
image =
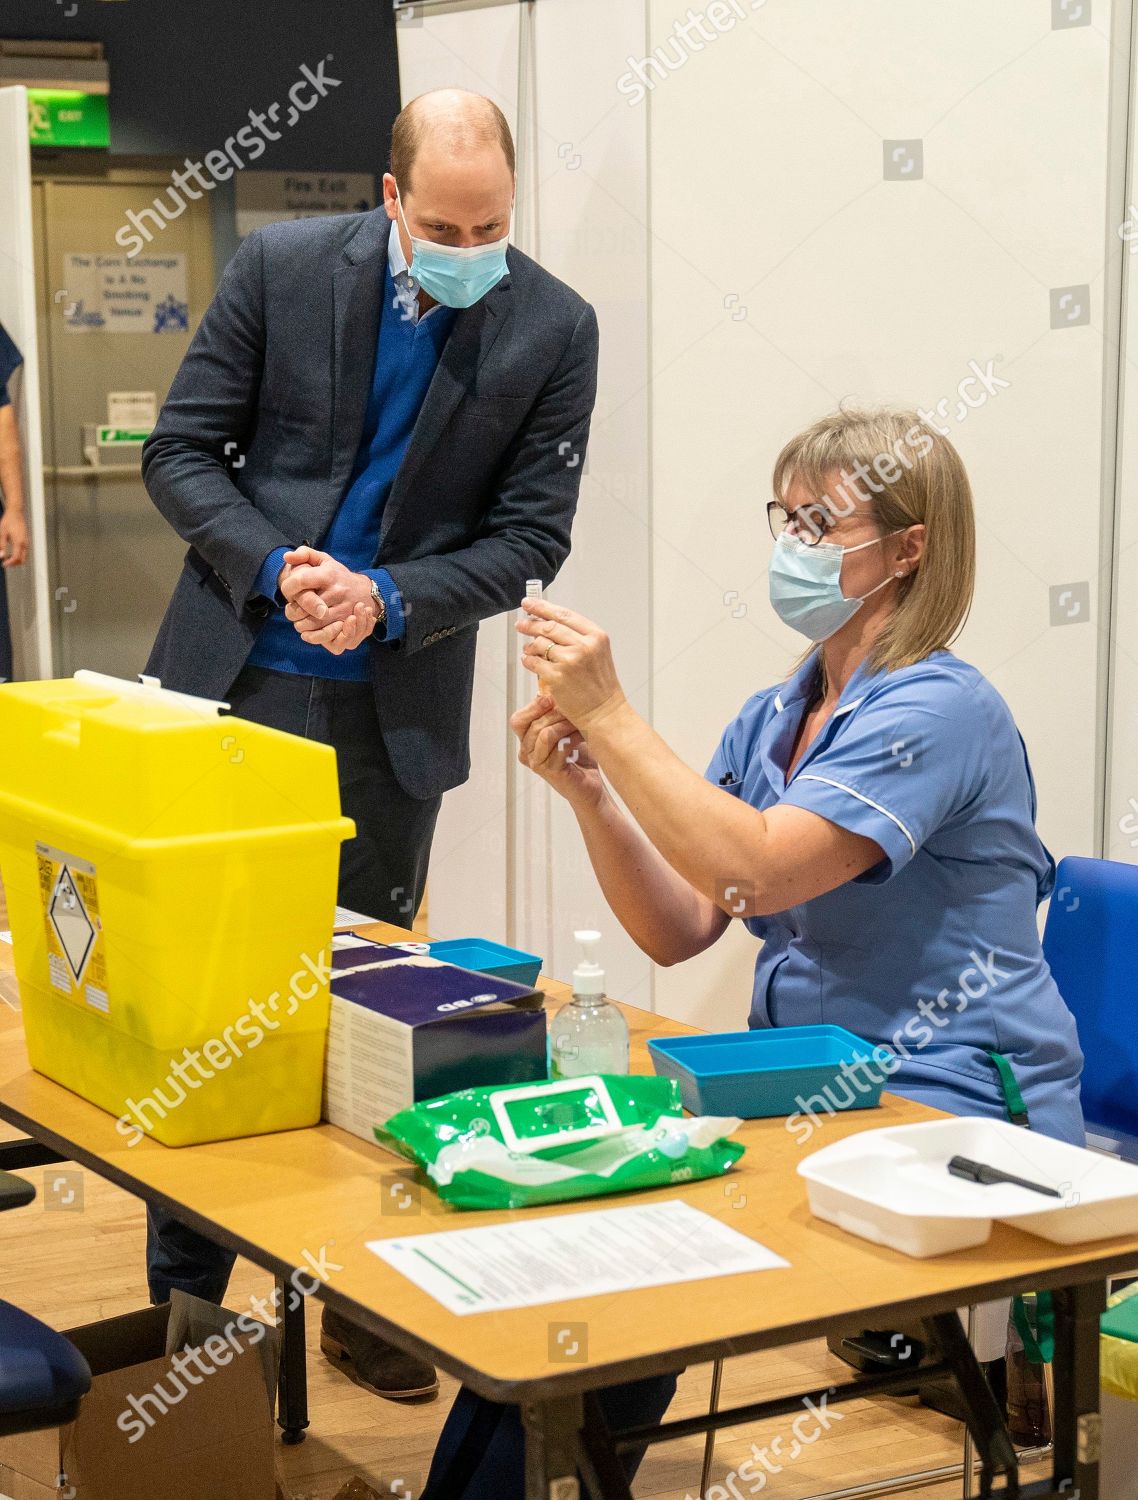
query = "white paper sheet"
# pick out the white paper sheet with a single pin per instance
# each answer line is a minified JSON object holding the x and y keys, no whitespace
{"x":346,"y":917}
{"x":559,"y":1257}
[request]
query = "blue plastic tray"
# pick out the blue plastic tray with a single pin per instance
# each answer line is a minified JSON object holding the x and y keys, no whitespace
{"x":485,"y":957}
{"x":774,"y":1071}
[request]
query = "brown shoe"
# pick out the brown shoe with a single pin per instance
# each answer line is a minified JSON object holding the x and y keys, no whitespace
{"x":372,"y":1363}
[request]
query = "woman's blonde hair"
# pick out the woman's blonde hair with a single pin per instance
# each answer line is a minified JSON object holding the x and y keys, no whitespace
{"x":913,"y":476}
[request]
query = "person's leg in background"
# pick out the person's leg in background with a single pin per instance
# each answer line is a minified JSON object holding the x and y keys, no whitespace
{"x":481,"y":1451}
{"x":383,"y":870}
{"x":5,"y":632}
{"x":180,"y":1257}
{"x":383,"y":874}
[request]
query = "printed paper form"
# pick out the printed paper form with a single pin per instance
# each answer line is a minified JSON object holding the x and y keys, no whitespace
{"x":559,"y":1257}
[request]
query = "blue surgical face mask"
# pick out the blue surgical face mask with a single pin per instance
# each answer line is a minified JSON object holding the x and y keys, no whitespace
{"x":806,"y":588}
{"x":454,"y":275}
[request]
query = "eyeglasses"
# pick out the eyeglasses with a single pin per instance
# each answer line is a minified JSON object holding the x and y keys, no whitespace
{"x":810,"y":524}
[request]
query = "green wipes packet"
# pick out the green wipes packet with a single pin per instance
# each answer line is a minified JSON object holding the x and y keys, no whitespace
{"x":529,"y":1143}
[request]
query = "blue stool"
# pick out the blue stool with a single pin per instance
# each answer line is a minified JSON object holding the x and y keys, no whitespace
{"x":1090,"y":942}
{"x":43,"y":1377}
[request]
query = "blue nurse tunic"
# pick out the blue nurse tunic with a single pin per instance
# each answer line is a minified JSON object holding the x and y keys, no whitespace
{"x":934,"y":953}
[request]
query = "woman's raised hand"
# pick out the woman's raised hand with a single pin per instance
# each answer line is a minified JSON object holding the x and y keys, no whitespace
{"x":554,"y":749}
{"x":572,"y":658}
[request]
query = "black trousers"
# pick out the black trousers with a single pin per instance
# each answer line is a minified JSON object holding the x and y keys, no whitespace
{"x":383,"y":872}
{"x":481,"y":1451}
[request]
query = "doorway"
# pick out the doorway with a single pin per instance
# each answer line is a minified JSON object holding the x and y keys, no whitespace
{"x":112,"y":329}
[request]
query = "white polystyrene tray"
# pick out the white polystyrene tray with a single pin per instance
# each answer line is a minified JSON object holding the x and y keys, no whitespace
{"x":893,"y":1186}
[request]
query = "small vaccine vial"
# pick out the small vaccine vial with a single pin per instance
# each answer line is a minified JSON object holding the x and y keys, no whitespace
{"x":533,"y":591}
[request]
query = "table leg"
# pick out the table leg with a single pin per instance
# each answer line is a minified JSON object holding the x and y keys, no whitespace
{"x":553,"y":1448}
{"x":604,"y":1473}
{"x":982,"y":1412}
{"x":292,"y":1380}
{"x":1076,"y":1422}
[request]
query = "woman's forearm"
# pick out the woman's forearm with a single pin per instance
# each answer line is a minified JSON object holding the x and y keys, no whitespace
{"x":712,"y":840}
{"x":666,"y":918}
{"x":743,"y":859}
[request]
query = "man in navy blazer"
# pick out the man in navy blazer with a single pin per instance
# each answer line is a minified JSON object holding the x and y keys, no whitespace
{"x":376,"y":437}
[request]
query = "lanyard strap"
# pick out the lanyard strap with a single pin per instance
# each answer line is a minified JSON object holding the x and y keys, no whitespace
{"x":1038,"y":1341}
{"x":1013,"y":1099}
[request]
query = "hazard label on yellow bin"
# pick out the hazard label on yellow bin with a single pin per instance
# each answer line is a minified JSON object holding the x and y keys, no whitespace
{"x":70,"y":898}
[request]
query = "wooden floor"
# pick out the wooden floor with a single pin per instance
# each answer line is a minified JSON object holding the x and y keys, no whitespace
{"x":75,"y":1266}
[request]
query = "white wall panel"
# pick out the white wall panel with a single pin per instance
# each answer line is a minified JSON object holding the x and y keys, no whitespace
{"x":594,"y":217}
{"x":768,"y":192}
{"x":1121,"y":810}
{"x":473,"y":49}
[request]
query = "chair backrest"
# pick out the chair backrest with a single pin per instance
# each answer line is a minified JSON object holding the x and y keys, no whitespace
{"x":43,"y":1377}
{"x":1091,"y":943}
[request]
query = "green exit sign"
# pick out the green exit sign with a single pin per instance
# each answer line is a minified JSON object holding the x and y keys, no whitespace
{"x":67,"y":117}
{"x":114,"y":437}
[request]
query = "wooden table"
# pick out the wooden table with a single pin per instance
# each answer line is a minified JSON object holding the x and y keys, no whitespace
{"x":284,"y":1200}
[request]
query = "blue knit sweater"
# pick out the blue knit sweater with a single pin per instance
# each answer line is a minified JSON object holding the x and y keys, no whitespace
{"x":407,"y":355}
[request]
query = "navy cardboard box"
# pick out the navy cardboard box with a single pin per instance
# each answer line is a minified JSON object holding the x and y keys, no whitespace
{"x":406,"y":1027}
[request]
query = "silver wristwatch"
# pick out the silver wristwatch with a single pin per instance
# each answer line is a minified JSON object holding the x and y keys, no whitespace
{"x":379,"y":602}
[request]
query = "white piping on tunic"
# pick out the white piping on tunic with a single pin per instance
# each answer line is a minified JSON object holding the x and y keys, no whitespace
{"x":869,"y":802}
{"x":845,"y":708}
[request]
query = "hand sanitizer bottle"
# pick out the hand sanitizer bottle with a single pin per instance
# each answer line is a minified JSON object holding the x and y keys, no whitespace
{"x":588,"y":1034}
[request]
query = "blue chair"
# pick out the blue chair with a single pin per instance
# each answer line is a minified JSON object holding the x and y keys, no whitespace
{"x":43,"y":1377}
{"x":1091,"y":944}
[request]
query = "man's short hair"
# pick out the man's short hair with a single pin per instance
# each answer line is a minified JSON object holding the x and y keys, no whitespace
{"x":413,"y":125}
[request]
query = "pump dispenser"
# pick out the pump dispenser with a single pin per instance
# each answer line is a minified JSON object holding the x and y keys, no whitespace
{"x":588,"y":1034}
{"x":588,"y":976}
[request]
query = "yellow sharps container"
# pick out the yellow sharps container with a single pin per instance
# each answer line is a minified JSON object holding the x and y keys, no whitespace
{"x":171,"y":882}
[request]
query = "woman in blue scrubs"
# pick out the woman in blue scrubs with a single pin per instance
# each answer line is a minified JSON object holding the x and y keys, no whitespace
{"x":871,"y":819}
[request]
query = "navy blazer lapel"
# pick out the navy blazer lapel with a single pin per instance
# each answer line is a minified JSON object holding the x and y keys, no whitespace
{"x":357,"y":297}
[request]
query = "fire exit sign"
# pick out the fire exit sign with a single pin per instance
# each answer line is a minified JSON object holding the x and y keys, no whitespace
{"x":68,"y":117}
